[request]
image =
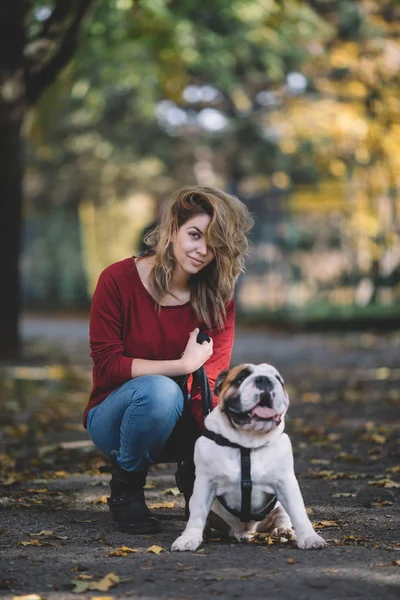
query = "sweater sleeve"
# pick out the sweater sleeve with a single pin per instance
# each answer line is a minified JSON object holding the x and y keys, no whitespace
{"x":221,"y":357}
{"x":111,"y":367}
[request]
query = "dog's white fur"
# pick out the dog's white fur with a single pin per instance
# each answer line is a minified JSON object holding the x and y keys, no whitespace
{"x":218,"y":468}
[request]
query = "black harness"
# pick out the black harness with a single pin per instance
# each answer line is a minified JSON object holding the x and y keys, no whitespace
{"x":245,"y":515}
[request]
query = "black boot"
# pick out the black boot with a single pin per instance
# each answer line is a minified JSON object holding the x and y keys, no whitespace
{"x":127,"y":503}
{"x":184,"y":477}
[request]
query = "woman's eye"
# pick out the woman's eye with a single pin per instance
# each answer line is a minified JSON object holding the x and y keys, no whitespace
{"x":194,"y":235}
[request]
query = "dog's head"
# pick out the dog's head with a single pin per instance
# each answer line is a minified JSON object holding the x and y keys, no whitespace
{"x":253,"y":397}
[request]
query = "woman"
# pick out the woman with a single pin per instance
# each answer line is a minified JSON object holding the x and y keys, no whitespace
{"x":145,"y":317}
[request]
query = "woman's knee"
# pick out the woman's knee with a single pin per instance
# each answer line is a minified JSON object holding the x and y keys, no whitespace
{"x":155,"y":392}
{"x":163,"y":394}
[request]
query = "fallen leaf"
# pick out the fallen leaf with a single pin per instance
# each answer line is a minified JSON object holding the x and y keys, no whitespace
{"x":386,"y":483}
{"x":382,"y":373}
{"x":123,"y":551}
{"x":352,"y":538}
{"x":162,"y":505}
{"x":43,"y":532}
{"x":10,"y":481}
{"x":150,"y":485}
{"x":324,"y":524}
{"x":34,"y":491}
{"x":310,"y":398}
{"x":28,"y":597}
{"x":346,"y":457}
{"x":31,"y":543}
{"x":381,"y":503}
{"x":172,"y":492}
{"x":395,"y":469}
{"x":155,"y":549}
{"x":100,"y":500}
{"x":103,"y":585}
{"x":60,"y":475}
{"x":396,"y":563}
{"x":291,"y":561}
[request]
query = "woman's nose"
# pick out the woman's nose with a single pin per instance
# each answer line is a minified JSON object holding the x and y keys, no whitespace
{"x":201,"y":247}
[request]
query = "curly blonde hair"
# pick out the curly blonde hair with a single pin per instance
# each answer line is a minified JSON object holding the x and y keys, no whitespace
{"x":230,"y":223}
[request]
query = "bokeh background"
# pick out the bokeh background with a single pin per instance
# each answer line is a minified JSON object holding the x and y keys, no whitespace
{"x":293,"y":106}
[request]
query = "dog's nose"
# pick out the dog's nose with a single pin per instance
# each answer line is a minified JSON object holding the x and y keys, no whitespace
{"x":263,"y":383}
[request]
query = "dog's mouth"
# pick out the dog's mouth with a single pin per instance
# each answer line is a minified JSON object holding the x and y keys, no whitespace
{"x":259,"y":412}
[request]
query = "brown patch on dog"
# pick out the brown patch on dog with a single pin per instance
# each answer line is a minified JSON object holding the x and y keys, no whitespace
{"x":226,"y":385}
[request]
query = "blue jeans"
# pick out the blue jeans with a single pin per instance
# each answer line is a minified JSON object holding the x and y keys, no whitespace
{"x":137,"y":419}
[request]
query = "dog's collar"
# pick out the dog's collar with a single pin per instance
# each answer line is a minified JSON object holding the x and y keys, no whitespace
{"x":245,"y":515}
{"x":221,"y":440}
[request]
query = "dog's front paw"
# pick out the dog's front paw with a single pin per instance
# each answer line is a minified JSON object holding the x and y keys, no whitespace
{"x":284,"y":530}
{"x":311,"y":542}
{"x":185,"y":542}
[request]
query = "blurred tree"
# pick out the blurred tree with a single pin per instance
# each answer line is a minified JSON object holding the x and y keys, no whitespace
{"x":31,"y":55}
{"x":136,"y":53}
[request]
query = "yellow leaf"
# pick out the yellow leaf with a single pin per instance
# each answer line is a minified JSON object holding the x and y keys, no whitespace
{"x":395,"y":469}
{"x":28,"y":597}
{"x":102,"y":598}
{"x":396,"y":563}
{"x":43,"y":532}
{"x":162,"y":505}
{"x":31,"y":543}
{"x":172,"y":492}
{"x":100,"y":500}
{"x":123,"y":551}
{"x":60,"y":474}
{"x":41,"y":491}
{"x":383,"y":373}
{"x":155,"y":549}
{"x":310,"y":398}
{"x":291,"y":561}
{"x":10,"y":481}
{"x":150,"y":485}
{"x":106,"y":583}
{"x":381,"y":503}
{"x":323,"y":524}
{"x":386,"y":483}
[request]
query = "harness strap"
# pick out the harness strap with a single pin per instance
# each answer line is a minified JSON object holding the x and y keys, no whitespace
{"x":245,"y":514}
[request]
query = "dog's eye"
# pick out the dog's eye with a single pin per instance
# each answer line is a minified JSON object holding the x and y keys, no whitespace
{"x":239,"y":380}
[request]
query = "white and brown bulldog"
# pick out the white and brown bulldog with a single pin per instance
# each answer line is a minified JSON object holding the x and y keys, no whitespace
{"x":250,"y":414}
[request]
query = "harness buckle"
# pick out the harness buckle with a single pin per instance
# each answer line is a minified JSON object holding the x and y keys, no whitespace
{"x":247,"y":484}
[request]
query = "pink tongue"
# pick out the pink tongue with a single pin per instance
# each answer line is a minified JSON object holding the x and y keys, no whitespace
{"x":263,"y":412}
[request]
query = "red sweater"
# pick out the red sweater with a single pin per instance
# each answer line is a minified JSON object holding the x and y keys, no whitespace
{"x":125,"y":324}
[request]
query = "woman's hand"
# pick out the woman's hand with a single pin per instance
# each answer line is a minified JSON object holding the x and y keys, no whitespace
{"x":195,"y":355}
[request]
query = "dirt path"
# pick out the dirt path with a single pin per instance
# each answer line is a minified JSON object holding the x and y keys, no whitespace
{"x":344,"y":422}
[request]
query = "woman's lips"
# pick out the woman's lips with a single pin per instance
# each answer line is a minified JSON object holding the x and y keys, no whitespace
{"x":196,"y":261}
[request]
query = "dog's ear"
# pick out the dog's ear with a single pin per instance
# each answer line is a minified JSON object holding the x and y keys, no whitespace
{"x":219,"y":381}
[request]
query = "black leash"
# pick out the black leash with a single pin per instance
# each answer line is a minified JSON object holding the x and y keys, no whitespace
{"x":201,"y":376}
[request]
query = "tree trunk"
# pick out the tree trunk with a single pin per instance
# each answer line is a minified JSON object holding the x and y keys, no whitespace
{"x":12,"y":108}
{"x":10,"y":225}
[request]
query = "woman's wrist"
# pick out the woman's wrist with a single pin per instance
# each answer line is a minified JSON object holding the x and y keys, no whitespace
{"x":169,"y":368}
{"x":184,"y":366}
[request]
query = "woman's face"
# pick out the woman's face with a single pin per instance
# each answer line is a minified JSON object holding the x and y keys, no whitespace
{"x":190,"y":245}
